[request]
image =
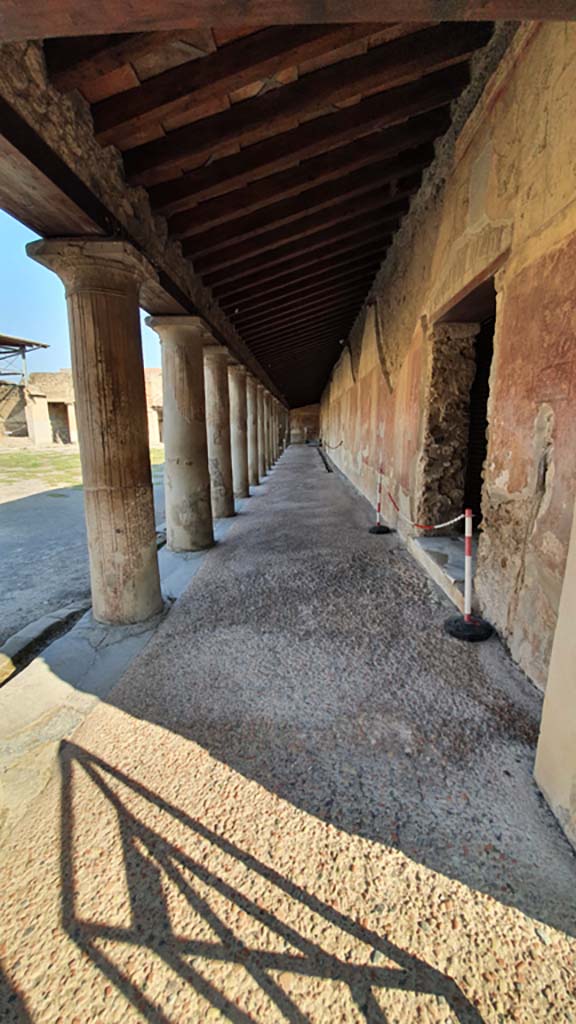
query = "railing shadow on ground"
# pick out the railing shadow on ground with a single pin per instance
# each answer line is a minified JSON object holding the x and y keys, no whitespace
{"x":151,"y":861}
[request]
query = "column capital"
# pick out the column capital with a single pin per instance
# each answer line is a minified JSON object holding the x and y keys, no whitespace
{"x":216,"y":353}
{"x":183,"y":330}
{"x":92,"y":262}
{"x":238,"y":369}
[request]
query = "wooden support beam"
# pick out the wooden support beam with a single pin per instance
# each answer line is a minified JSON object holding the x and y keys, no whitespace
{"x":307,"y":339}
{"x":267,"y":300}
{"x":309,"y":140}
{"x":325,"y":300}
{"x":301,"y":254}
{"x":315,"y":348}
{"x":306,"y":222}
{"x":27,"y":19}
{"x":300,"y":297}
{"x":232,"y":295}
{"x":383,"y":68}
{"x":72,"y":62}
{"x":390,"y":146}
{"x":279,"y":240}
{"x":367,"y":179}
{"x":308,"y":320}
{"x":316,"y":342}
{"x":187,"y":88}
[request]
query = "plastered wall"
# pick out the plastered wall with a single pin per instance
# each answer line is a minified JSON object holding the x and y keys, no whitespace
{"x":305,"y":424}
{"x":501,"y":202}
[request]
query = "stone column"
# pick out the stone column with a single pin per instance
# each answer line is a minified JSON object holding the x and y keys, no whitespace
{"x":252,"y":413}
{"x":72,"y":425}
{"x":276,"y":429}
{"x":261,"y":433}
{"x":186,"y":475}
{"x":270,"y":453}
{"x":555,"y":769}
{"x":238,"y":429}
{"x":216,"y":359}
{"x":103,"y":280}
{"x":153,"y":424}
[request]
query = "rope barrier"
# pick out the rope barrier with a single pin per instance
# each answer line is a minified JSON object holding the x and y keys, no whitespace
{"x":417,"y":526}
{"x":333,"y":447}
{"x":425,"y":526}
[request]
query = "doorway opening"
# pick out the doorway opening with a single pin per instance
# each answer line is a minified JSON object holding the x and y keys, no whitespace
{"x":58,"y":413}
{"x":455,"y":442}
{"x":478,"y":420}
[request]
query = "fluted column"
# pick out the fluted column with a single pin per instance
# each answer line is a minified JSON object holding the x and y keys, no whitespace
{"x":269,"y":429}
{"x":186,"y":475}
{"x":261,"y":433}
{"x":102,"y":280}
{"x":276,"y":421}
{"x":238,"y":429}
{"x":252,"y":414}
{"x":216,"y":359}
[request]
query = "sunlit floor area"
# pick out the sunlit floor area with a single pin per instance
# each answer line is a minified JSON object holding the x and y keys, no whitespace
{"x":303,"y":802}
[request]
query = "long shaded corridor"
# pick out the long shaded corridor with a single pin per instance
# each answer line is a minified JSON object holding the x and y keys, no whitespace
{"x":303,"y":802}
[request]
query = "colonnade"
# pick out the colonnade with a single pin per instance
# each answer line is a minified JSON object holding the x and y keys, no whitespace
{"x":223,"y":431}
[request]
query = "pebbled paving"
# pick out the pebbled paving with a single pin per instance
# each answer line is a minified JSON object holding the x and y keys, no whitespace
{"x":302,"y":803}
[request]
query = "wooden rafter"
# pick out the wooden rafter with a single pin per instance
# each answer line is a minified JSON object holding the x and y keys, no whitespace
{"x":382,"y":146}
{"x":382,"y":68}
{"x":187,"y":88}
{"x":230,"y":295}
{"x":278,"y":242}
{"x":312,"y":139}
{"x":273,"y":298}
{"x":321,"y":196}
{"x":368,"y":231}
{"x":27,"y":19}
{"x":283,"y":157}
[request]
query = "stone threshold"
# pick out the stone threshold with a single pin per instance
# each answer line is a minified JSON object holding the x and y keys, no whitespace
{"x":442,"y":557}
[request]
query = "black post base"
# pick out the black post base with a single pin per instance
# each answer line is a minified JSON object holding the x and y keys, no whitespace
{"x":380,"y":528}
{"x":473,"y":631}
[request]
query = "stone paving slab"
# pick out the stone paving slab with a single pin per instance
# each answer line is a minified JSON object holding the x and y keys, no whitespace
{"x":303,"y":802}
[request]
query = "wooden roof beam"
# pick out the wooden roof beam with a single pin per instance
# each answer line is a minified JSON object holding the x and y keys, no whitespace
{"x":339,"y":258}
{"x":373,"y":114}
{"x":305,"y":321}
{"x":329,"y":299}
{"x":72,"y":62}
{"x":346,"y":186}
{"x":307,"y":223}
{"x":326,"y":336}
{"x":303,"y":252}
{"x":277,"y":241}
{"x":383,"y":146}
{"x":382,"y":68}
{"x":187,"y":88}
{"x":331,"y":277}
{"x":299,"y":299}
{"x":27,"y":19}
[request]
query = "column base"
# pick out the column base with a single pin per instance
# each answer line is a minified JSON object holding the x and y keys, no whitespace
{"x":473,"y":631}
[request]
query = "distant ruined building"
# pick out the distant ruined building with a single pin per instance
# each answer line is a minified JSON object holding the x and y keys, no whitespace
{"x":44,"y":409}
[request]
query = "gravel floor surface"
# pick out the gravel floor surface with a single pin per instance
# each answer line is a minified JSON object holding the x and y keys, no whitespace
{"x":303,"y":802}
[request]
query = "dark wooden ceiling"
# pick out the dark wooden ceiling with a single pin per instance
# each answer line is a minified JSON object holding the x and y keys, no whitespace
{"x":284,"y":158}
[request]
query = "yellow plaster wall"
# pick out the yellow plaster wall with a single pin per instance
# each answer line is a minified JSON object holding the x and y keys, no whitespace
{"x":508,"y":208}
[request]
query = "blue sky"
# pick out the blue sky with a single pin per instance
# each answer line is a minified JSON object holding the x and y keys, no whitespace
{"x":32,"y":303}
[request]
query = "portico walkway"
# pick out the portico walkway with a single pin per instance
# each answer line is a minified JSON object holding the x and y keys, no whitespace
{"x":303,"y":803}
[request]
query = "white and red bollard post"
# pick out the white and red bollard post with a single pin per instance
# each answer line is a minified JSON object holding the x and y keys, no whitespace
{"x":468,"y":626}
{"x":379,"y":527}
